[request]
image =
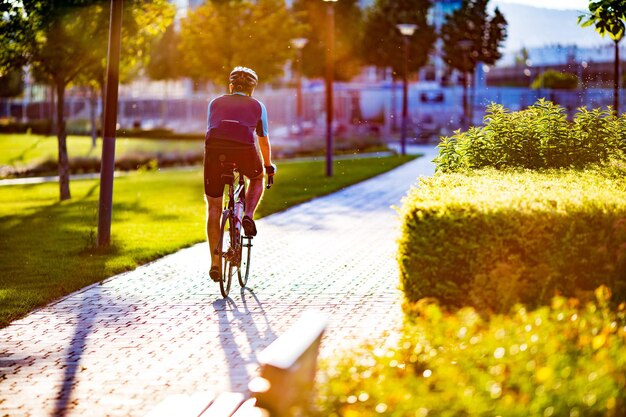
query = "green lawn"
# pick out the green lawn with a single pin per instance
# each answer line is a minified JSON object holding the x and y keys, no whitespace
{"x":23,"y":149}
{"x":46,"y":246}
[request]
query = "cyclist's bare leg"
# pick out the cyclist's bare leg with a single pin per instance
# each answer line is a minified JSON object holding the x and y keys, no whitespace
{"x":214,"y":215}
{"x":253,"y":195}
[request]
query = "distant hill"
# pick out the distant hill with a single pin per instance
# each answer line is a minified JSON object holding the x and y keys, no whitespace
{"x":532,"y":26}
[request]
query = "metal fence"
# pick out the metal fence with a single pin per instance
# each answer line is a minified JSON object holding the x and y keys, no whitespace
{"x":440,"y":108}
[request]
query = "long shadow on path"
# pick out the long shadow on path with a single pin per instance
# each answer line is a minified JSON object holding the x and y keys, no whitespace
{"x":84,"y":325}
{"x":231,"y":326}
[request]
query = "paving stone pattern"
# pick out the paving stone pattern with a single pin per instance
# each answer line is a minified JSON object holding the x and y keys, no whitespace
{"x":120,"y":347}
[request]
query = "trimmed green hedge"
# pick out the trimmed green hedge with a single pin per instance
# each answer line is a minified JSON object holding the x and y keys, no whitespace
{"x":491,"y":238}
{"x":127,"y":162}
{"x":158,"y":133}
{"x":538,"y":137}
{"x":38,"y":127}
{"x":566,"y":360}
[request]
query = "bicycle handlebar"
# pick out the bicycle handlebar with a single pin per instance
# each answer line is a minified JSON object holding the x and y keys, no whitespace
{"x":270,"y":170}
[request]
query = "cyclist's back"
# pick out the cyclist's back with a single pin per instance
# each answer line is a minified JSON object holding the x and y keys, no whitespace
{"x":233,"y":120}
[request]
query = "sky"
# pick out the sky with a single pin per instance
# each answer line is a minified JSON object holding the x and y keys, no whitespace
{"x":551,"y":4}
{"x":532,"y":27}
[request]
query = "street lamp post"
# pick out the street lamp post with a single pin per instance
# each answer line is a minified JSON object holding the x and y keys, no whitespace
{"x":299,"y":43}
{"x":330,"y":70}
{"x":407,"y":30}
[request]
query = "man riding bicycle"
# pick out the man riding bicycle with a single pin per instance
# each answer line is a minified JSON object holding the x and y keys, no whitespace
{"x":233,"y":120}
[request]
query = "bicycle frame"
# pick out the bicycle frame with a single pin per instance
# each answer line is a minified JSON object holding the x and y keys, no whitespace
{"x":235,"y":258}
{"x":235,"y":194}
{"x":239,"y":193}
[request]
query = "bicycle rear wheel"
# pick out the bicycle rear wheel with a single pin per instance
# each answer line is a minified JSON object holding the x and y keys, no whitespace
{"x":226,"y":250}
{"x":244,"y":268}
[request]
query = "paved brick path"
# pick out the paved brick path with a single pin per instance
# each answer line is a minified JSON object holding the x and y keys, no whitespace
{"x":118,"y":348}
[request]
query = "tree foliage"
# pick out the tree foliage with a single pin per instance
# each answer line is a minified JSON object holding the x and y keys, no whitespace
{"x":347,"y":37}
{"x":607,"y":16}
{"x":220,"y":35}
{"x":165,"y":58}
{"x":12,"y":83}
{"x":556,"y":80}
{"x":53,"y":37}
{"x":144,"y":21}
{"x":471,"y":36}
{"x":12,"y":37}
{"x":383,"y":43}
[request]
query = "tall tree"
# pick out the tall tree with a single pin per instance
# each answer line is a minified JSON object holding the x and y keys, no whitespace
{"x":220,"y":35}
{"x":471,"y":36}
{"x":63,"y":38}
{"x":383,"y":43}
{"x":348,"y":37}
{"x":144,"y":21}
{"x":608,"y":17}
{"x":54,"y":37}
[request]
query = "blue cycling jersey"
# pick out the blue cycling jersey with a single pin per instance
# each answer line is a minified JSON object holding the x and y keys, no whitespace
{"x":236,"y":117}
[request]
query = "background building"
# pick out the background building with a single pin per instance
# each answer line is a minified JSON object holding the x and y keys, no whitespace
{"x":592,"y":65}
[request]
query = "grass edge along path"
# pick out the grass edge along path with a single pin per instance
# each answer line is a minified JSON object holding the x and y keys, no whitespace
{"x":47,"y":247}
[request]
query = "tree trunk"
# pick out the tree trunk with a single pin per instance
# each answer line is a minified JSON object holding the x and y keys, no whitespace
{"x":93,"y":104}
{"x":53,"y":112}
{"x":164,"y":105}
{"x":465,"y":106}
{"x":64,"y":166}
{"x":616,"y":81}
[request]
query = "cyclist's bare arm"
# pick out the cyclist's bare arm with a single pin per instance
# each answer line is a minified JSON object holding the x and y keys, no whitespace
{"x":266,"y":150}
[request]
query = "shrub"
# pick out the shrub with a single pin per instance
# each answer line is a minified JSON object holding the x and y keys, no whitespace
{"x":538,"y":137}
{"x":78,"y":126}
{"x":556,"y":80}
{"x":346,"y":144}
{"x":565,"y":360}
{"x":491,"y":238}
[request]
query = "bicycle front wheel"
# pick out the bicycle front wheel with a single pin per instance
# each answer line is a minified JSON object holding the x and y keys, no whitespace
{"x":226,"y":251}
{"x":244,"y":267}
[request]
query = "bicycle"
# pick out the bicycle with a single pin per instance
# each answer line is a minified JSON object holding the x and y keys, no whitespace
{"x":234,"y":248}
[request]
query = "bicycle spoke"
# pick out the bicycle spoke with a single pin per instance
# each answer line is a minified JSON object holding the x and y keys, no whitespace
{"x":225,"y":250}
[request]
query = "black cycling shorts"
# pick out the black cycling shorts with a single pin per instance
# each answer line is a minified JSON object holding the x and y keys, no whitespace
{"x":216,"y":152}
